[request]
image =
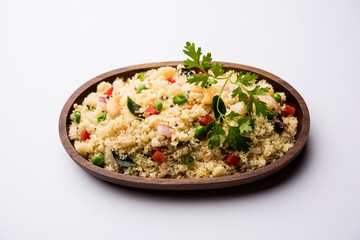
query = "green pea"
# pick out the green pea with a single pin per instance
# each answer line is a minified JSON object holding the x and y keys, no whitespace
{"x":141,"y":87}
{"x":101,"y":117}
{"x":179,"y":99}
{"x":77,"y":116}
{"x":200,"y":131}
{"x":158,"y":105}
{"x":277,"y":97}
{"x":98,"y":160}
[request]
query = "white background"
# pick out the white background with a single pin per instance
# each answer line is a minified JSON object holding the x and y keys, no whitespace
{"x":49,"y":48}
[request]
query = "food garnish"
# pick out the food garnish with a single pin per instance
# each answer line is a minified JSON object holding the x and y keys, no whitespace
{"x":187,"y":159}
{"x":124,"y":161}
{"x":234,"y":136}
{"x":134,"y":108}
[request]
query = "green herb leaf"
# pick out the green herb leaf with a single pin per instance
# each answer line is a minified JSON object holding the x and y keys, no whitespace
{"x":134,"y":108}
{"x":232,"y":115}
{"x":194,"y":54}
{"x":209,"y":126}
{"x":245,"y":125}
{"x":250,"y":100}
{"x":218,"y":109}
{"x":216,"y":136}
{"x":260,"y":107}
{"x":259,"y":91}
{"x":206,"y":61}
{"x":123,"y":161}
{"x":217,"y":69}
{"x":243,"y":97}
{"x":199,"y":79}
{"x":248,"y":79}
{"x":236,"y":141}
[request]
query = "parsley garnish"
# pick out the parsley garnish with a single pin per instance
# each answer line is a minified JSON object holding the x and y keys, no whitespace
{"x":244,"y":92}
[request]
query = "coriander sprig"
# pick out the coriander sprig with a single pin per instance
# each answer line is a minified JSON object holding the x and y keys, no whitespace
{"x":243,"y":82}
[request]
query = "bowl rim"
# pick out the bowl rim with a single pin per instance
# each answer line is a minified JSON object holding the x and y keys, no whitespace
{"x":182,"y":184}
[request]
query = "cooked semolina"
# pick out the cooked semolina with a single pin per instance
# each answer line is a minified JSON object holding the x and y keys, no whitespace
{"x":137,"y":138}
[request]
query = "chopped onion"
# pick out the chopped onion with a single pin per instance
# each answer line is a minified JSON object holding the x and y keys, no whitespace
{"x":164,"y":130}
{"x":256,"y":150}
{"x":271,"y":100}
{"x":103,"y":101}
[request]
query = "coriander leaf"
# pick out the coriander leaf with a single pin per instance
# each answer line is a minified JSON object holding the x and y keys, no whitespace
{"x":250,"y":100}
{"x":248,"y":79}
{"x":260,"y":107}
{"x":213,"y":81}
{"x":217,"y":69}
{"x":243,"y":97}
{"x":232,"y":115}
{"x":236,"y":141}
{"x":242,"y":143}
{"x":259,"y":91}
{"x":209,"y":126}
{"x":245,"y":125}
{"x":194,"y":54}
{"x":216,"y":136}
{"x":231,"y":137}
{"x":206,"y":61}
{"x":197,"y":79}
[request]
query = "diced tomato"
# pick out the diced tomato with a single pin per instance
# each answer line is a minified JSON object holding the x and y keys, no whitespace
{"x":85,"y":135}
{"x":231,"y":159}
{"x":159,"y":156}
{"x":170,"y":80}
{"x":248,"y":100}
{"x":152,"y":110}
{"x":109,"y":91}
{"x":204,"y":121}
{"x":287,"y":110}
{"x":201,"y":73}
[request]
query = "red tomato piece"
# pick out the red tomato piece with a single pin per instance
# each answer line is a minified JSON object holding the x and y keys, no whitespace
{"x":204,"y":121}
{"x":85,"y":135}
{"x":201,"y":73}
{"x":159,"y":156}
{"x":287,"y":110}
{"x":109,"y":91}
{"x":231,"y":159}
{"x":170,"y":80}
{"x":152,"y":110}
{"x":248,"y":100}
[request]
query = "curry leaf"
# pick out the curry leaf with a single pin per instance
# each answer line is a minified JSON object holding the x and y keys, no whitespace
{"x":123,"y":161}
{"x":218,"y":109}
{"x":134,"y":108}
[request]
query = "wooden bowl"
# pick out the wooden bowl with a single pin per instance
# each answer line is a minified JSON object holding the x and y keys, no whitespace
{"x":293,"y":98}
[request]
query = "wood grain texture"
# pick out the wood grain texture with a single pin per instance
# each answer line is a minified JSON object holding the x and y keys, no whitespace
{"x":293,"y":98}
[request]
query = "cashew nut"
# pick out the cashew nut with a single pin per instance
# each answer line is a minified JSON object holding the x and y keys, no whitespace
{"x":208,"y":96}
{"x":113,"y":107}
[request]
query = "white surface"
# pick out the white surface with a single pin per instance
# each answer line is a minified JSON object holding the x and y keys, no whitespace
{"x":48,"y":49}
